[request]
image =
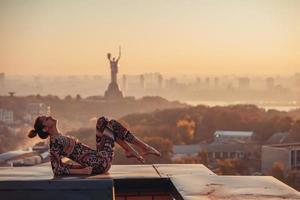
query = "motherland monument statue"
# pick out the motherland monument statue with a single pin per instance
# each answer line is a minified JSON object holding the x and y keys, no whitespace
{"x":113,"y":91}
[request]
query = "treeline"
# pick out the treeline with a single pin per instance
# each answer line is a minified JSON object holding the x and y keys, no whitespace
{"x":192,"y":125}
{"x":11,"y":139}
{"x":197,"y":124}
{"x":72,"y":113}
{"x":77,"y":112}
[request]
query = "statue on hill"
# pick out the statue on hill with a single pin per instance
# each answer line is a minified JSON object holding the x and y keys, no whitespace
{"x":113,"y":91}
{"x":114,"y":64}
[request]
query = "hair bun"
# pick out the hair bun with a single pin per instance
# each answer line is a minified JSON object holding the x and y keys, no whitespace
{"x":32,"y":133}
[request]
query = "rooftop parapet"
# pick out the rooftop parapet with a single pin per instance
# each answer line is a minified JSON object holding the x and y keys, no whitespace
{"x":157,"y":181}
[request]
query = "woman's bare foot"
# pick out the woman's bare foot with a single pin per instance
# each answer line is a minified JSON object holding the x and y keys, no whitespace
{"x":131,"y":154}
{"x":129,"y":151}
{"x":144,"y":148}
{"x":148,"y":150}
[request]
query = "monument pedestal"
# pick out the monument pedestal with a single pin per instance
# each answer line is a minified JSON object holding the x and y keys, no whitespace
{"x":113,"y":91}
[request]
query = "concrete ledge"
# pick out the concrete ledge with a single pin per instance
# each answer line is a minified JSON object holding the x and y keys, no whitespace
{"x":57,"y":189}
{"x":180,"y":181}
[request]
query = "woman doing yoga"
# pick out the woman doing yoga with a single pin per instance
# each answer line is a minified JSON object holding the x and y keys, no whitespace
{"x":89,"y":161}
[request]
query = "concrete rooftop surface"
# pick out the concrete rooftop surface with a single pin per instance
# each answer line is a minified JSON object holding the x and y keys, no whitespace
{"x":157,"y":181}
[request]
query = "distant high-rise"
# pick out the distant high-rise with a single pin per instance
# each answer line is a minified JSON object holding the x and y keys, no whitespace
{"x":124,"y":83}
{"x":216,"y":82}
{"x":244,"y":83}
{"x":2,"y":79}
{"x":160,"y":81}
{"x":270,"y":83}
{"x":142,"y":81}
{"x":35,"y":109}
{"x":207,"y":81}
{"x":198,"y":80}
{"x":6,"y":116}
{"x":297,"y":80}
{"x":171,"y":83}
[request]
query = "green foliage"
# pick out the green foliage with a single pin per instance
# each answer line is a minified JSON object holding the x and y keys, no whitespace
{"x":195,"y":124}
{"x":231,"y":167}
{"x":277,"y":171}
{"x":163,"y":145}
{"x":295,"y":131}
{"x":11,"y":140}
{"x":201,"y":158}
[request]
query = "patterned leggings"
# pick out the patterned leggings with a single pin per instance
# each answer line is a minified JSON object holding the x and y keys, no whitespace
{"x":105,"y":143}
{"x":118,"y":130}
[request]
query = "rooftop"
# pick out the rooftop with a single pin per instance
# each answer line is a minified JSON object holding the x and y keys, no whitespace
{"x":234,"y":133}
{"x":278,"y":138}
{"x":186,"y":149}
{"x":285,"y":145}
{"x":157,"y":181}
{"x":15,"y":154}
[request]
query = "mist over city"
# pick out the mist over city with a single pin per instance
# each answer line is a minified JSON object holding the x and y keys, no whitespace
{"x":278,"y":92}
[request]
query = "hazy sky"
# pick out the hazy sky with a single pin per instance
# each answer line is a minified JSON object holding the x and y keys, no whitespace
{"x":168,"y":36}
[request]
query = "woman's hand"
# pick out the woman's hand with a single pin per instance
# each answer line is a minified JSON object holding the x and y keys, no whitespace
{"x":77,"y":166}
{"x":83,"y":171}
{"x":87,"y":170}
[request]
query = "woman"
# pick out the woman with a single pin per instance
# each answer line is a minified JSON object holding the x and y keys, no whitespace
{"x":89,"y":161}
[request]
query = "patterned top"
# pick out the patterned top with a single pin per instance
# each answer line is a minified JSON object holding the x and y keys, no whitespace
{"x":65,"y":146}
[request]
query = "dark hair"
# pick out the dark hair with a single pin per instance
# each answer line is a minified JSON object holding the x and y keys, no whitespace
{"x":38,"y":130}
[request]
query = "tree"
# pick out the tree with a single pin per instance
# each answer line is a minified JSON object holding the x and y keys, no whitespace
{"x":295,"y":131}
{"x":291,"y":179}
{"x":68,"y":97}
{"x":185,"y":131}
{"x":161,"y":144}
{"x":231,"y":167}
{"x":203,"y":158}
{"x":78,"y":97}
{"x":277,"y":170}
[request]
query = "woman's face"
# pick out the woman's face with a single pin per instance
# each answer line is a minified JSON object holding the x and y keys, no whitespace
{"x":48,"y":121}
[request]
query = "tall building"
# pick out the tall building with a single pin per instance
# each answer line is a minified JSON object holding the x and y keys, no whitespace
{"x":160,"y":81}
{"x":2,"y":79}
{"x":198,"y":80}
{"x":36,"y":109}
{"x":142,"y":82}
{"x":297,"y":80}
{"x":172,"y":83}
{"x":207,"y":81}
{"x":270,"y":83}
{"x":124,"y":83}
{"x":244,"y":83}
{"x":6,"y":116}
{"x":216,"y":81}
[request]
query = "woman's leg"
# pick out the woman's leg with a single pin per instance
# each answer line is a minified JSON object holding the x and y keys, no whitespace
{"x":122,"y":133}
{"x":129,"y":151}
{"x":105,"y":142}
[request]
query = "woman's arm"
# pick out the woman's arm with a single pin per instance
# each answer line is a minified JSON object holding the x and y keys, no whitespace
{"x":61,"y":168}
{"x":58,"y":167}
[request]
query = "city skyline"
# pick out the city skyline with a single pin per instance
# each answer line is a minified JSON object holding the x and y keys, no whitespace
{"x":169,"y":37}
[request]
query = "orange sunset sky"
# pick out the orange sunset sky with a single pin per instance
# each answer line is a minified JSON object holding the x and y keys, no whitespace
{"x":72,"y":37}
